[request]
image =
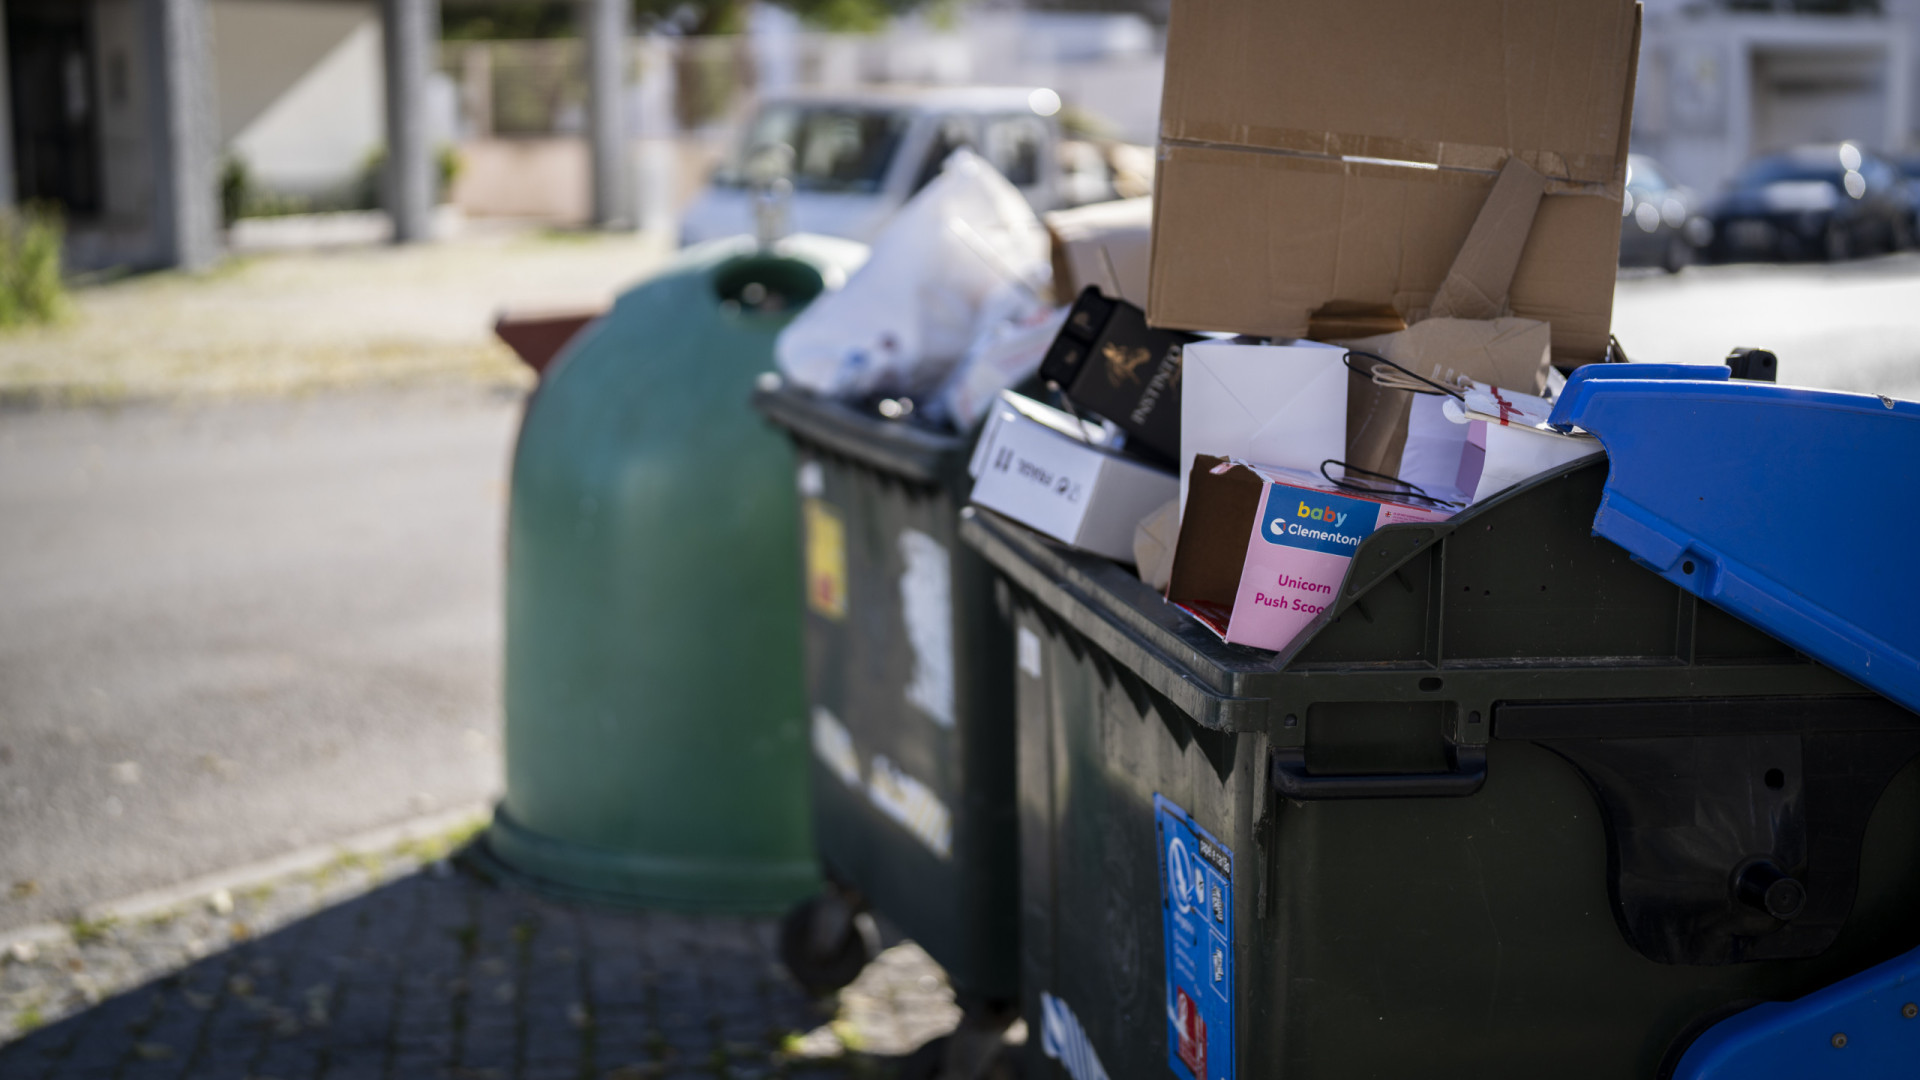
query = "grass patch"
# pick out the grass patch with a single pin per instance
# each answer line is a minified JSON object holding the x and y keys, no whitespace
{"x":31,"y":291}
{"x":85,"y":931}
{"x":429,"y":849}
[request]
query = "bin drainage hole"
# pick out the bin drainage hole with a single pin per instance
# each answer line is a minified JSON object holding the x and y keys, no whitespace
{"x":1486,"y":592}
{"x":1839,"y":1040}
{"x":1292,"y":720}
{"x":1473,"y":717}
{"x":1910,"y":1010}
{"x":1429,"y":684}
{"x":1687,"y":567}
{"x":1776,"y":779}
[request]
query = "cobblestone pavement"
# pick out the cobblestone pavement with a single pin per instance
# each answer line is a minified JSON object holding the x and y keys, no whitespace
{"x":406,"y":967}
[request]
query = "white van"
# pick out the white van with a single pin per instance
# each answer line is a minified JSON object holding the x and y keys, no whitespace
{"x":858,"y":155}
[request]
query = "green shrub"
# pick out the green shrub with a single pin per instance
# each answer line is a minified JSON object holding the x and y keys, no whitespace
{"x":30,"y":286}
{"x":447,"y":164}
{"x":368,"y":188}
{"x":236,"y":191}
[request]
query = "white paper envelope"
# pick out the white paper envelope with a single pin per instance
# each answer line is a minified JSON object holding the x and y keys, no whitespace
{"x":1278,"y":405}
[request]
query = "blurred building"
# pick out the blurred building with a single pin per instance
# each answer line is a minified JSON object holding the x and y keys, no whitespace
{"x":108,"y":106}
{"x":136,"y":117}
{"x":1721,"y":82}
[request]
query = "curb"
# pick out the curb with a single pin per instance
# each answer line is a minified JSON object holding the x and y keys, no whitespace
{"x":153,"y":901}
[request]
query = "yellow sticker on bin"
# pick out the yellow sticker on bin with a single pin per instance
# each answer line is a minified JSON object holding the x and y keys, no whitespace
{"x":826,"y":560}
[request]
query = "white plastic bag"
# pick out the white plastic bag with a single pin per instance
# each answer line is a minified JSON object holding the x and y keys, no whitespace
{"x":1007,"y":352}
{"x":906,"y":317}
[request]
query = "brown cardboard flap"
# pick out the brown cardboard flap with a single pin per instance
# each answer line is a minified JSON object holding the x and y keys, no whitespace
{"x":1344,"y":320}
{"x":1303,"y":232}
{"x":1509,"y":353}
{"x":1286,"y":126}
{"x":1214,"y":530}
{"x":1476,"y":285}
{"x":1463,"y":84}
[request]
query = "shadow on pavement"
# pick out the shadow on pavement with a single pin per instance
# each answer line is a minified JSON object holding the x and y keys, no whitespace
{"x":444,"y":975}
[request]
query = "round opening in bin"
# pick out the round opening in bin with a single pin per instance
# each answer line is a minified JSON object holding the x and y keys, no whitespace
{"x":1429,"y":684}
{"x":1775,"y":779}
{"x":766,"y":284}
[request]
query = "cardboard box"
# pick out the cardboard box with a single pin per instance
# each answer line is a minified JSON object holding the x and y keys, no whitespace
{"x":1107,"y":360}
{"x":1107,"y":244}
{"x":1042,"y":468}
{"x":1315,"y":154}
{"x":1262,"y":552}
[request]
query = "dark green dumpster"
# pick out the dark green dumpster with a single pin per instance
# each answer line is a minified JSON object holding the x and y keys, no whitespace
{"x":1514,"y":806}
{"x":655,"y":721}
{"x":909,"y":681}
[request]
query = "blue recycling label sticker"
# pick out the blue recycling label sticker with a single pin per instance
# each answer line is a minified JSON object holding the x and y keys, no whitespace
{"x":1196,"y":904}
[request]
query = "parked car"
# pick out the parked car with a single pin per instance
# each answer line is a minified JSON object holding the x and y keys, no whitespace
{"x":1660,"y":222}
{"x":1910,"y":169}
{"x":856,"y":157}
{"x":1831,"y":201}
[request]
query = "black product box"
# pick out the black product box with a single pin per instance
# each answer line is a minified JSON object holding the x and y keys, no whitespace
{"x":1108,"y":361}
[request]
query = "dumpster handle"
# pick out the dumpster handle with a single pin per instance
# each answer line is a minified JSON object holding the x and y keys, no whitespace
{"x":1291,"y":778}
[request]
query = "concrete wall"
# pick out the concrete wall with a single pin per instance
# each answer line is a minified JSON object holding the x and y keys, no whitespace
{"x":300,"y":87}
{"x":1718,"y":88}
{"x":546,"y":178}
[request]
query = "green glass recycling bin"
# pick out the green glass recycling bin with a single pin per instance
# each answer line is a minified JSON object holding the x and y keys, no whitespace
{"x":1513,"y":806}
{"x":655,"y":723}
{"x":910,"y":699}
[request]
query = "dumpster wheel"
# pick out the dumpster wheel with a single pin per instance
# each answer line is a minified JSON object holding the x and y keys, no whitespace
{"x":826,"y":940}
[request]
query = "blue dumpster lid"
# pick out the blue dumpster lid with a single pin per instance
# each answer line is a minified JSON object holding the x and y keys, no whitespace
{"x":1864,"y":1015}
{"x":1791,"y":508}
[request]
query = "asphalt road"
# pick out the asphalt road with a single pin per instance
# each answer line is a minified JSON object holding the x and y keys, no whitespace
{"x":232,"y":630}
{"x":228,"y":631}
{"x":1854,"y":326}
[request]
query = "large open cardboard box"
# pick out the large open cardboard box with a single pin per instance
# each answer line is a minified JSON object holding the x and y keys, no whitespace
{"x":1315,"y":153}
